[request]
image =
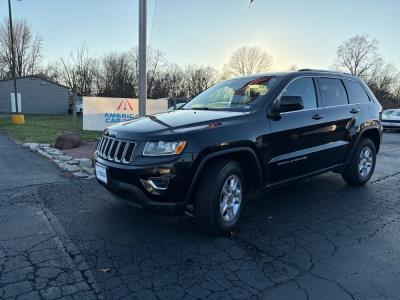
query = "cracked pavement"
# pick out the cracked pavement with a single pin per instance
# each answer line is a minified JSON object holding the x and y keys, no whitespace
{"x":36,"y":258}
{"x":318,"y":239}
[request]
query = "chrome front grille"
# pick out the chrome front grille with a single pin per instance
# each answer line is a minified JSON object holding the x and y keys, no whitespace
{"x":115,"y":150}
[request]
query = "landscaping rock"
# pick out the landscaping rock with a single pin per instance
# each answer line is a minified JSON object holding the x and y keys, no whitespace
{"x":55,"y":152}
{"x":28,"y":145}
{"x":44,"y":145}
{"x":40,"y":151}
{"x":45,"y":154}
{"x":80,"y":174}
{"x":67,"y":140}
{"x":89,"y":170}
{"x":72,"y":168}
{"x":64,"y":158}
{"x":63,"y":166}
{"x":73,"y":162}
{"x":85,"y":162}
{"x":46,"y":149}
{"x":34,"y":147}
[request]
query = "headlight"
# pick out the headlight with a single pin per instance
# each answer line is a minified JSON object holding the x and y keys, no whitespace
{"x":164,"y":148}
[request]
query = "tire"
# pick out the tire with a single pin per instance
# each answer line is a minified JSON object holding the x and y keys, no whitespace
{"x":218,"y":206}
{"x":353,"y":173}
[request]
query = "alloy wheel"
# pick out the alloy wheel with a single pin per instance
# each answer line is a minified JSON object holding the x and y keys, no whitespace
{"x":366,"y":161}
{"x":231,"y":198}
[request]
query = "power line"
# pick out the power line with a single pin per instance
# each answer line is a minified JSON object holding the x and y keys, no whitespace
{"x":153,"y":21}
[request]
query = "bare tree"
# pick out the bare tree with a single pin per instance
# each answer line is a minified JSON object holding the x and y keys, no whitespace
{"x":27,"y":46}
{"x":79,"y":71}
{"x":293,"y":67}
{"x":156,"y":65}
{"x":396,"y":92}
{"x":115,"y":78}
{"x":50,"y":72}
{"x":384,"y":82}
{"x":246,"y":61}
{"x":197,"y":79}
{"x":170,"y":83}
{"x":358,"y":55}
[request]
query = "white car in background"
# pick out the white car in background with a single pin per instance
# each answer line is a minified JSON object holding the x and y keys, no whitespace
{"x":79,"y":109}
{"x":391,"y":119}
{"x":388,"y":112}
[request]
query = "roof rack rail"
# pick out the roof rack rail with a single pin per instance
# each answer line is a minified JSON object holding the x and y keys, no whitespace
{"x":323,"y":71}
{"x":314,"y":70}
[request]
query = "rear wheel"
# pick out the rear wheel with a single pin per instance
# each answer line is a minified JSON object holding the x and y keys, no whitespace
{"x":219,"y":197}
{"x":362,"y":164}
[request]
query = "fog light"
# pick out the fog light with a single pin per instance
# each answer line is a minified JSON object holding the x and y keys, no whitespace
{"x":156,"y":184}
{"x":159,"y":183}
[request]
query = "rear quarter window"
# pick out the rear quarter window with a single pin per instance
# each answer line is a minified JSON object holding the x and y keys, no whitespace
{"x":333,"y":92}
{"x":356,"y":92}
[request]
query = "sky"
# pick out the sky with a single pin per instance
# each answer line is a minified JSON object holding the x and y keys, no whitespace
{"x":301,"y":32}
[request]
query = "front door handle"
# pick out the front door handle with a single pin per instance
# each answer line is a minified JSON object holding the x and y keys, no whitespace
{"x":355,"y":111}
{"x":318,"y":116}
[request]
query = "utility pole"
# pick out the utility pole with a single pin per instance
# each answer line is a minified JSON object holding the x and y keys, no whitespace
{"x":74,"y":108}
{"x":13,"y":56}
{"x":142,"y":57}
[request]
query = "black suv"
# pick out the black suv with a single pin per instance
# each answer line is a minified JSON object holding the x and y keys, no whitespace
{"x":240,"y":137}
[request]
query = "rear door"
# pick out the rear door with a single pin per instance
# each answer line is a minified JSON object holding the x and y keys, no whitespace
{"x":297,"y":137}
{"x":362,"y":105}
{"x":340,"y":118}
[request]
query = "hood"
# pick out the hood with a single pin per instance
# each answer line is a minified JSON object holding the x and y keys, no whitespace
{"x":176,"y":121}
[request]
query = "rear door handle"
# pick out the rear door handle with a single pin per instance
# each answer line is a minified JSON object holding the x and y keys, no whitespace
{"x":355,"y":111}
{"x":318,"y":116}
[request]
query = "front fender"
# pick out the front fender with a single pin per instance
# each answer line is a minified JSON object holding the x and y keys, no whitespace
{"x":203,"y":159}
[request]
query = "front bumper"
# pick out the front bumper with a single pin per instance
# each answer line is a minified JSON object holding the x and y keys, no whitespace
{"x":128,"y":183}
{"x":391,"y":124}
{"x":132,"y":195}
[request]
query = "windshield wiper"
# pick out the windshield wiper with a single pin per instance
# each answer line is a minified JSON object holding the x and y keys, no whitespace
{"x":200,"y":108}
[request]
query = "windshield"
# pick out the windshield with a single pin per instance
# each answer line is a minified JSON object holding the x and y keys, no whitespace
{"x":389,"y":112}
{"x":234,"y":94}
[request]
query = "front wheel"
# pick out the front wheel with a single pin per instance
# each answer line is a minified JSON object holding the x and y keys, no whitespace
{"x":219,"y":196}
{"x":362,"y":164}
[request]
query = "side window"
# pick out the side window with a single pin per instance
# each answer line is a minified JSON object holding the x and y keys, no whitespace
{"x":305,"y":88}
{"x":332,"y":92}
{"x":356,"y":92}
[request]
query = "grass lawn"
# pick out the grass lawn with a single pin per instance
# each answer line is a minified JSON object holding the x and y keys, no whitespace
{"x":43,"y":128}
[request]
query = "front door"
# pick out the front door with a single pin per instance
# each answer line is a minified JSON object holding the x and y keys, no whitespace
{"x":297,"y":138}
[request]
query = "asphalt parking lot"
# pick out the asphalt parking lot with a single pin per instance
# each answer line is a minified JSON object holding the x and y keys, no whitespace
{"x":318,"y":239}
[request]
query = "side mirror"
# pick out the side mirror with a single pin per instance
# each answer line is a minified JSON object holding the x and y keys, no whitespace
{"x":286,"y":104}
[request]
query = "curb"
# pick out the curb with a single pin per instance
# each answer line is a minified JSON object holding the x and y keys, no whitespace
{"x":81,"y":168}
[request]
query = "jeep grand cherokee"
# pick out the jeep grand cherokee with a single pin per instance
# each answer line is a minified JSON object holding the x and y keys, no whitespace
{"x":240,"y":137}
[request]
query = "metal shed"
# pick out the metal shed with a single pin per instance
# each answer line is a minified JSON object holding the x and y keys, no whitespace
{"x":38,"y":96}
